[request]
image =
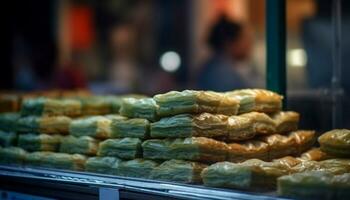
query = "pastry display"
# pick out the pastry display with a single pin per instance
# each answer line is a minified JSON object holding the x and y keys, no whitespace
{"x":39,"y":142}
{"x":258,"y":100}
{"x":336,"y":142}
{"x":96,"y":126}
{"x":125,"y":148}
{"x":191,"y":101}
{"x":186,"y":137}
{"x":79,"y":145}
{"x":137,"y":128}
{"x":193,"y":149}
{"x":178,"y":171}
{"x":139,"y":108}
{"x":187,"y":125}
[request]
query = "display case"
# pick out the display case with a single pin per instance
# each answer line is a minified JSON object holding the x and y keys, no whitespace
{"x":264,"y":136}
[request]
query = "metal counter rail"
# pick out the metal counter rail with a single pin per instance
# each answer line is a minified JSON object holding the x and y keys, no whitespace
{"x":150,"y":187}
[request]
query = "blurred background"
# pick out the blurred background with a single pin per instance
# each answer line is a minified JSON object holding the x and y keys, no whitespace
{"x":153,"y":46}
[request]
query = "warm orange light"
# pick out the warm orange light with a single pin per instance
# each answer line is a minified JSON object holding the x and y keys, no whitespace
{"x":81,"y":27}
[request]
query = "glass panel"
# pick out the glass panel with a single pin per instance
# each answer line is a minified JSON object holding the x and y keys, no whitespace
{"x":310,"y":51}
{"x":140,"y":46}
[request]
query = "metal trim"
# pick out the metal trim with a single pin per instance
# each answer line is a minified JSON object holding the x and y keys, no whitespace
{"x":145,"y":186}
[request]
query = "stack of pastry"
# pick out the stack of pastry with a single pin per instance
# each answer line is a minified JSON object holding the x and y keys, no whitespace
{"x":172,"y":133}
{"x":324,"y":172}
{"x":238,"y":139}
{"x":119,"y":150}
{"x":38,"y":134}
{"x":133,"y":147}
{"x":202,"y":128}
{"x":314,"y":174}
{"x":79,"y":132}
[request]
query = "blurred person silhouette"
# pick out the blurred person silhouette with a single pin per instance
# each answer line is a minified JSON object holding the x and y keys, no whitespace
{"x":227,"y":68}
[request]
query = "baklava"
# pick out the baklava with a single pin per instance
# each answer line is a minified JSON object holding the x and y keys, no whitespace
{"x":64,"y":161}
{"x":8,"y":139}
{"x":125,"y":148}
{"x":12,"y":155}
{"x":315,"y":154}
{"x":193,"y":149}
{"x":102,"y":165}
{"x":305,"y":139}
{"x":45,"y":124}
{"x":286,"y":121}
{"x":242,"y":151}
{"x":280,"y":145}
{"x":336,"y":142}
{"x":251,"y":174}
{"x":39,"y":142}
{"x":240,"y":128}
{"x":258,"y":100}
{"x":191,"y":101}
{"x":8,"y":121}
{"x":35,"y":159}
{"x":187,"y":125}
{"x":314,"y":185}
{"x":263,"y":124}
{"x":80,"y":145}
{"x":51,"y":107}
{"x":95,"y":126}
{"x":95,"y":105}
{"x":138,"y":168}
{"x":178,"y":171}
{"x":139,"y":108}
{"x":334,"y":166}
{"x":136,"y":128}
